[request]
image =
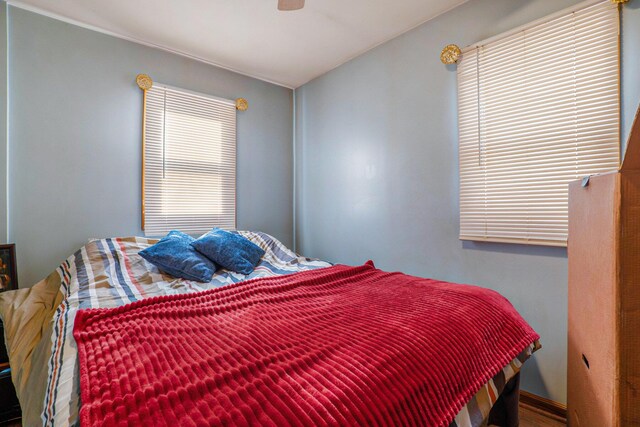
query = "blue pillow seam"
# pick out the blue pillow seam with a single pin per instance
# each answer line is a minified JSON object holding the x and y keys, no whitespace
{"x":164,"y":268}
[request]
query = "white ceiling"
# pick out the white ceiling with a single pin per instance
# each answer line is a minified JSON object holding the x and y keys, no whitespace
{"x":251,"y":36}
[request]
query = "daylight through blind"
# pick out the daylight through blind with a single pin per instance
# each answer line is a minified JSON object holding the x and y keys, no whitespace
{"x":190,"y":162}
{"x":537,"y":109}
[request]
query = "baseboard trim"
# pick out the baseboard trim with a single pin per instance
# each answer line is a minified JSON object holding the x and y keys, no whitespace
{"x":542,"y":404}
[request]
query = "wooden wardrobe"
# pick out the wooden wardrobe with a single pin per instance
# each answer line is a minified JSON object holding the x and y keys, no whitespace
{"x":604,"y":296}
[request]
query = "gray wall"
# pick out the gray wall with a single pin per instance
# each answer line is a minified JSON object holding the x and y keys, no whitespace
{"x":74,"y":139}
{"x":377,"y":172}
{"x":630,"y":66}
{"x":3,"y":123}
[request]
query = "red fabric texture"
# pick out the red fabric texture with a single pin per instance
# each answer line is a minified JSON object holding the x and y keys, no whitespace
{"x":335,"y":346}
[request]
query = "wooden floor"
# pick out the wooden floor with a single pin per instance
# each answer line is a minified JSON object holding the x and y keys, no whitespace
{"x":530,"y":417}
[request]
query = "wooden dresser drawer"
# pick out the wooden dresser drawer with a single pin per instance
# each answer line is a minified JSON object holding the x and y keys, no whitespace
{"x":4,"y":358}
{"x":9,"y":405}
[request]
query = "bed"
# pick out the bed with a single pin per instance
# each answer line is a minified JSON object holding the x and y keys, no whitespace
{"x":109,"y":273}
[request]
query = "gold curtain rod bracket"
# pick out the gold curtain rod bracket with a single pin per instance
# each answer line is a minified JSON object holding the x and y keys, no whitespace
{"x":242,"y":104}
{"x":450,"y":54}
{"x":144,"y":81}
{"x":620,"y":2}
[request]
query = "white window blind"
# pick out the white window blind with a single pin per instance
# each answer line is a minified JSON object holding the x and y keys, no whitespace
{"x":537,"y":109}
{"x":189,"y":162}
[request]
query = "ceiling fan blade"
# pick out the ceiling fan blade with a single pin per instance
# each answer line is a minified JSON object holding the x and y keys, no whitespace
{"x":290,"y":4}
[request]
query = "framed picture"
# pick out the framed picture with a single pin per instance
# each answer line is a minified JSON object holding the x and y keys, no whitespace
{"x":8,"y":274}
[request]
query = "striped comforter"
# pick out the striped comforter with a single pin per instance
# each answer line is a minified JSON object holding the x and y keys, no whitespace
{"x":109,"y":273}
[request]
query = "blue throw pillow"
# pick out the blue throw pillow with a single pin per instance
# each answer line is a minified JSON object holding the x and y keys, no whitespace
{"x":231,"y":251}
{"x":175,"y":256}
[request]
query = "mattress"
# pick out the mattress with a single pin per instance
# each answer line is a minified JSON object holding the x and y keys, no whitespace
{"x":110,"y":273}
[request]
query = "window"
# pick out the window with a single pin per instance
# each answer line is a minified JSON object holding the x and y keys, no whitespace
{"x":189,"y":177}
{"x":537,"y":108}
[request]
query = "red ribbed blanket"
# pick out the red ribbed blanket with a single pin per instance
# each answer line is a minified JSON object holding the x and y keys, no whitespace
{"x":336,"y":346}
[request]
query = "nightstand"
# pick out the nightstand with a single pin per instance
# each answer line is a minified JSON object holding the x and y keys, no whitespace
{"x":9,"y":405}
